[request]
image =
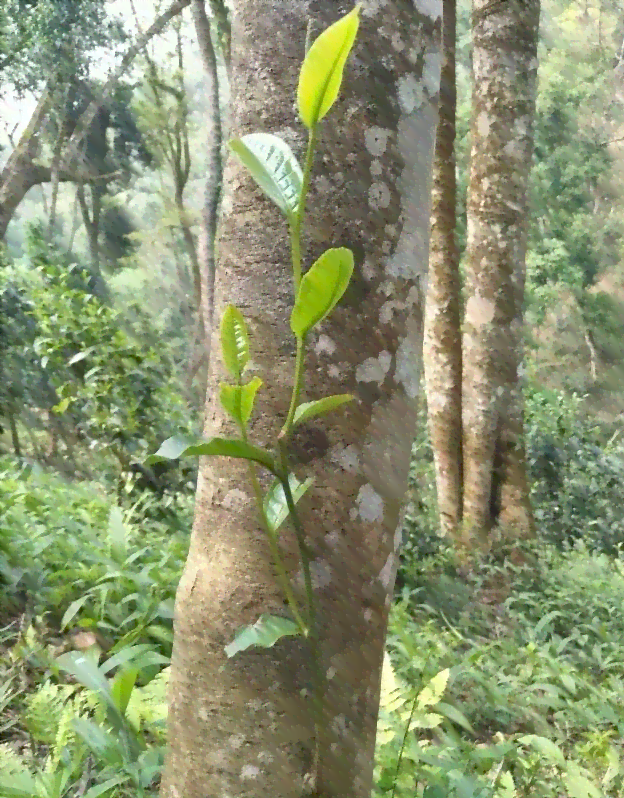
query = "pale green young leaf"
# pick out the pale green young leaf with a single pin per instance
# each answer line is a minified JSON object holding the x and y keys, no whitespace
{"x":238,"y":400}
{"x":320,"y":407}
{"x":321,"y":72}
{"x":234,"y":341}
{"x":275,"y":506}
{"x":321,"y":289}
{"x":434,"y":691}
{"x":273,"y":166}
{"x":264,"y":633}
{"x":176,"y":447}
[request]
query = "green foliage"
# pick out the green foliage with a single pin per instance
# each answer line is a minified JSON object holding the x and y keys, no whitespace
{"x":532,"y":706}
{"x":83,"y":562}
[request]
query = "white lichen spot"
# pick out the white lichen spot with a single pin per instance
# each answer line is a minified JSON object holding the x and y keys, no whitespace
{"x":325,"y":346}
{"x":339,"y":178}
{"x":391,"y":230}
{"x":387,"y":312}
{"x":323,"y":185}
{"x":234,"y":499}
{"x":432,"y":64}
{"x":339,"y":724}
{"x":331,"y":672}
{"x":387,"y":61}
{"x":266,"y":757}
{"x":398,"y":533}
{"x":387,"y":572}
{"x":397,"y":42}
{"x":371,"y":8}
{"x":483,"y":124}
{"x":203,"y":713}
{"x":407,"y":367}
{"x":430,"y":8}
{"x":410,"y":93}
{"x":255,"y":704}
{"x":237,"y":741}
{"x":386,"y":248}
{"x":250,"y":772}
{"x":374,"y":369}
{"x":370,"y":505}
{"x":378,"y":195}
{"x":368,"y":614}
{"x":480,"y":311}
{"x":376,"y":168}
{"x":346,"y":457}
{"x":369,"y":270}
{"x":320,"y":572}
{"x":334,"y":372}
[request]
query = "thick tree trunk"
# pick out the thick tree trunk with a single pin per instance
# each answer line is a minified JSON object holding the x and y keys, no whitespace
{"x":241,"y":727}
{"x":504,"y":87}
{"x":442,"y":344}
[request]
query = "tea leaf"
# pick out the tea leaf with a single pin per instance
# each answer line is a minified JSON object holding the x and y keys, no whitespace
{"x":265,"y":633}
{"x":321,"y":73}
{"x":273,"y":166}
{"x":321,"y":289}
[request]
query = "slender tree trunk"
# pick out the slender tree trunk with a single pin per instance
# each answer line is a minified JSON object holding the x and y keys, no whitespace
{"x":210,"y":213}
{"x":442,"y":345}
{"x":241,"y":727}
{"x":504,"y":87}
{"x":17,"y":449}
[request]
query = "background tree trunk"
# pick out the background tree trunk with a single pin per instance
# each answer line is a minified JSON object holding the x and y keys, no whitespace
{"x":504,"y":90}
{"x":442,"y":344}
{"x":214,"y":178}
{"x":240,"y":727}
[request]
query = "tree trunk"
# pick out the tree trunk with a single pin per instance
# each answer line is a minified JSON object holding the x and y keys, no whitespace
{"x":442,"y":345}
{"x":214,"y":179}
{"x":240,"y":727}
{"x":504,"y":88}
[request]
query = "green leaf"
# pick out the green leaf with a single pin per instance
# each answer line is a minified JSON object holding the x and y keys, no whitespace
{"x":122,"y":687}
{"x":321,"y":289}
{"x":234,"y":341}
{"x":176,"y":447}
{"x":321,"y":407}
{"x":434,"y":691}
{"x":238,"y":400}
{"x":85,"y":671}
{"x":273,"y":166}
{"x":275,"y":506}
{"x":73,"y":609}
{"x":62,"y":406}
{"x":454,"y":714}
{"x":578,"y":785}
{"x":321,"y":72}
{"x":265,"y":632}
{"x":547,"y":748}
{"x":105,"y":787}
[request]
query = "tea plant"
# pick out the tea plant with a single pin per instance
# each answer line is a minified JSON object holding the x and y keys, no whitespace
{"x":317,"y":292}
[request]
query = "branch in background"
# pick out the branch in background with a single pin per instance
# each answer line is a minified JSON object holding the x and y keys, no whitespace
{"x":89,"y":115}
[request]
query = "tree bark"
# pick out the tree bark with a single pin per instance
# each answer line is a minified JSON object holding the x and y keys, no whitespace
{"x":504,"y":89}
{"x":241,"y":727}
{"x":214,"y":179}
{"x":442,"y":344}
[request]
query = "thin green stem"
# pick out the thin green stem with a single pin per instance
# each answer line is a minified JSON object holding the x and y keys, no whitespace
{"x":297,"y":386}
{"x":303,"y":551}
{"x":275,"y":552}
{"x":295,"y":231}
